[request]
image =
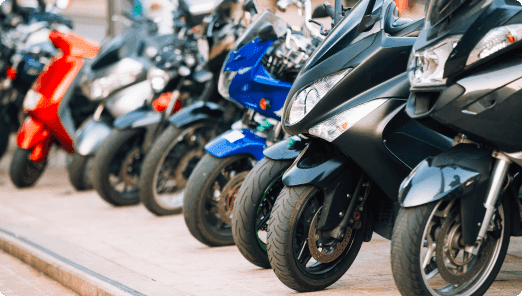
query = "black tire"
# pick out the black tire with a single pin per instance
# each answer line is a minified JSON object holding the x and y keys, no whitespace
{"x":406,"y":250}
{"x":5,"y":131}
{"x":247,"y":205}
{"x":282,"y":227}
{"x":79,"y":172}
{"x":23,"y":172}
{"x":196,"y":201}
{"x":172,"y":151}
{"x":116,"y":146}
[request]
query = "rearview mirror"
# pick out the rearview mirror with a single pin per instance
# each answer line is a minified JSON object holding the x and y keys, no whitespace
{"x":319,"y":12}
{"x":62,"y":4}
{"x":250,"y":6}
{"x":267,"y":32}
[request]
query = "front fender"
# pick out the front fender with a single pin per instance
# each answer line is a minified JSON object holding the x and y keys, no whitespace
{"x":286,"y":149}
{"x":461,"y":172}
{"x":135,"y":118}
{"x":90,"y":136}
{"x":35,"y":136}
{"x":237,"y":142}
{"x":315,"y":166}
{"x":196,"y":113}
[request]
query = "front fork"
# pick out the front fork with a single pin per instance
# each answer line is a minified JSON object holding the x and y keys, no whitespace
{"x":499,"y":174}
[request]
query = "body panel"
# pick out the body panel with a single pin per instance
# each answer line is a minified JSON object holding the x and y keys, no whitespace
{"x":286,"y":149}
{"x":195,"y":113}
{"x":128,"y":99}
{"x":90,"y":136}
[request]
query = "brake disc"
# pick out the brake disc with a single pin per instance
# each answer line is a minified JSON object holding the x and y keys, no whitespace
{"x":446,"y":254}
{"x":184,"y":163}
{"x":326,"y":254}
{"x":228,"y":197}
{"x":127,"y":168}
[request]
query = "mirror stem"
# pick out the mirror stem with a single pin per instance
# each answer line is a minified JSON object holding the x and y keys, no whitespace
{"x":338,"y":16}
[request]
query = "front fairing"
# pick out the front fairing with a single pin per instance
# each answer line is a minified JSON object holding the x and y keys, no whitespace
{"x":253,"y":83}
{"x":339,"y":50}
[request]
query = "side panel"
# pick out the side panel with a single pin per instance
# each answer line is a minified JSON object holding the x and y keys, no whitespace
{"x":129,"y":99}
{"x":90,"y":136}
{"x":237,"y":142}
{"x":195,"y":113}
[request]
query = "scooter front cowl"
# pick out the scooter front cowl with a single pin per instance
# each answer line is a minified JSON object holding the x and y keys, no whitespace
{"x":237,"y":142}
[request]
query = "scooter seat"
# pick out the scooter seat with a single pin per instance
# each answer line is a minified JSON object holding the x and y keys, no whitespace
{"x":74,"y":45}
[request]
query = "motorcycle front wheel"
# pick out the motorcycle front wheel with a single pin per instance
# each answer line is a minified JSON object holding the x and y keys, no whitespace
{"x":210,"y":194}
{"x":169,"y":164}
{"x":23,"y":171}
{"x":428,"y":256}
{"x":80,"y":171}
{"x":253,"y":206}
{"x":117,"y":167}
{"x":293,"y":236}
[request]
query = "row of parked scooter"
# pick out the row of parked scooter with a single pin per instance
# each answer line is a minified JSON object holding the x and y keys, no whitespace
{"x":297,"y":144}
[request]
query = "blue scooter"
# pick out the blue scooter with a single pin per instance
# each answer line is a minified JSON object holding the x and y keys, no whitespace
{"x":258,"y":75}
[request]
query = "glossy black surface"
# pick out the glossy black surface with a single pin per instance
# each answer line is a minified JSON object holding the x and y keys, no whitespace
{"x":374,"y":56}
{"x":196,"y":113}
{"x":286,"y":149}
{"x":462,"y":172}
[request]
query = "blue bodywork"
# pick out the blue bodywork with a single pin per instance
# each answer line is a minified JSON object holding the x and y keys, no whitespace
{"x":251,"y":84}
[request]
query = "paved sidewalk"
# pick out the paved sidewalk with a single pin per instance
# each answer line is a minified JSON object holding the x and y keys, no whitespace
{"x":158,"y":256}
{"x":18,"y":279}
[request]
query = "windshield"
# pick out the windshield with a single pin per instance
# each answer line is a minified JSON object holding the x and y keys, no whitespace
{"x":438,"y":10}
{"x":252,"y":30}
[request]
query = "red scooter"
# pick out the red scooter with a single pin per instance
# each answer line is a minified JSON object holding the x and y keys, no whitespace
{"x":48,"y":104}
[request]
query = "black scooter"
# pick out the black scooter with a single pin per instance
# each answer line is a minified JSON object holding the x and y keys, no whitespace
{"x":460,"y":208}
{"x":356,"y":144}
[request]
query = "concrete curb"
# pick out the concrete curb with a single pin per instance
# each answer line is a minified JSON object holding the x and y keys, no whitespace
{"x":63,"y":273}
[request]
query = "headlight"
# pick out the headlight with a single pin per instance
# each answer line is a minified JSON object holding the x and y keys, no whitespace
{"x":122,"y":74}
{"x":494,"y":41}
{"x":305,"y":100}
{"x":225,"y":79}
{"x":158,"y":79}
{"x":31,"y":100}
{"x":333,"y":127}
{"x":426,"y":67}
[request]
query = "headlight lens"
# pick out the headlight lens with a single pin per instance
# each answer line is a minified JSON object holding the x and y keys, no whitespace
{"x":426,"y":67}
{"x":225,"y":79}
{"x":333,"y":127}
{"x":305,"y":100}
{"x":123,"y":74}
{"x":495,"y":40}
{"x":31,"y":100}
{"x":158,"y":79}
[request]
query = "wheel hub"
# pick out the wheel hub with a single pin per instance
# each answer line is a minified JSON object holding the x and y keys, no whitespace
{"x":452,"y":267}
{"x":128,"y":169}
{"x":186,"y":166}
{"x":228,"y":197}
{"x":333,"y":251}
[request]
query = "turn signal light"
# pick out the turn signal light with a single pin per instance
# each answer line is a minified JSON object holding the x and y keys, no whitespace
{"x":264,"y":104}
{"x":11,"y":73}
{"x":162,"y":102}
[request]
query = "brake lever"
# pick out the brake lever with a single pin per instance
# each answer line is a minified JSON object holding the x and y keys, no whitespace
{"x":322,"y":31}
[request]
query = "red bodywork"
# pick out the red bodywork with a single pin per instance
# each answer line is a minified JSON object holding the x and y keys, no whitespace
{"x":44,"y":126}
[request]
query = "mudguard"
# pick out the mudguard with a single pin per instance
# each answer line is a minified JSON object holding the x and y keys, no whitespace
{"x":316,"y":166}
{"x":286,"y":149}
{"x":90,"y":136}
{"x":461,"y":172}
{"x":237,"y":142}
{"x":326,"y":168}
{"x":33,"y":135}
{"x":196,"y":113}
{"x":140,"y":117}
